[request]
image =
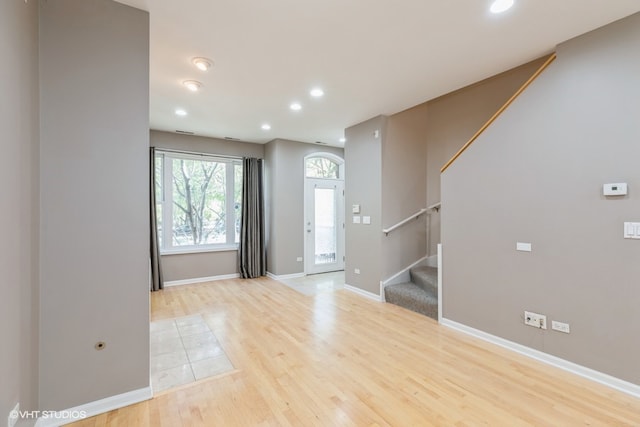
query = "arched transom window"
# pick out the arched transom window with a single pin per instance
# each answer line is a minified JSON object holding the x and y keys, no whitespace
{"x":322,"y":167}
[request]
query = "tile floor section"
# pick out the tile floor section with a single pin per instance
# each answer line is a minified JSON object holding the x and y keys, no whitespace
{"x":184,"y":350}
{"x":314,"y":284}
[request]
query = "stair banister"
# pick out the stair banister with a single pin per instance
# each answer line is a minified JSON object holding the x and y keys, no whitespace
{"x":422,"y":211}
{"x":434,"y":207}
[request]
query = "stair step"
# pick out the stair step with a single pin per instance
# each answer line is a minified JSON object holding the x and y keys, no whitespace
{"x":413,"y":297}
{"x":426,"y":278}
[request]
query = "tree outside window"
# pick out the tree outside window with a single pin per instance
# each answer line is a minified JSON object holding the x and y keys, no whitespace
{"x":201,"y":200}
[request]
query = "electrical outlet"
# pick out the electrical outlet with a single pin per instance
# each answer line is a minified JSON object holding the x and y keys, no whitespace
{"x":536,"y":320}
{"x":357,"y":271}
{"x":560,"y":326}
{"x":299,"y":259}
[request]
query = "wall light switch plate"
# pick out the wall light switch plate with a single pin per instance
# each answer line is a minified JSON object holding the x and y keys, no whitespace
{"x":355,"y":209}
{"x":632,"y":230}
{"x":366,"y":220}
{"x":356,"y":219}
{"x":524,"y":247}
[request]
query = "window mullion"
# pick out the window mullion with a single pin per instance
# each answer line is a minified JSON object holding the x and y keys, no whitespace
{"x":229,"y":204}
{"x":167,"y":210}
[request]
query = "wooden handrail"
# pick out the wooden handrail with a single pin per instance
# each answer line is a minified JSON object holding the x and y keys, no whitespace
{"x":404,"y":221}
{"x":535,"y":75}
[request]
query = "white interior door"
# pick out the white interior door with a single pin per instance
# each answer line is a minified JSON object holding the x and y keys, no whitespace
{"x":324,"y":226}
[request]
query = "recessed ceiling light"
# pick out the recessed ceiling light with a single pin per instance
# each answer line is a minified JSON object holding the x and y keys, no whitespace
{"x":266,"y":126}
{"x":295,"y":106}
{"x":343,"y":140}
{"x":192,"y":85}
{"x":180,"y":112}
{"x":202,"y":64}
{"x":316,"y":92}
{"x":500,"y":6}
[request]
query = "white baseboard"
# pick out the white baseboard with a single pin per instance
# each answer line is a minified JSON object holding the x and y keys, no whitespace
{"x":285,"y":276}
{"x":95,"y":408}
{"x":439,"y":264}
{"x":201,"y":280}
{"x":565,"y":365}
{"x":363,"y":293}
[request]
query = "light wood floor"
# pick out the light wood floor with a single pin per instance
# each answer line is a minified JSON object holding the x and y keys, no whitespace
{"x":338,"y":359}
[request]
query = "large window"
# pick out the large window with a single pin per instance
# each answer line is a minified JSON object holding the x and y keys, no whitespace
{"x":198,"y":201}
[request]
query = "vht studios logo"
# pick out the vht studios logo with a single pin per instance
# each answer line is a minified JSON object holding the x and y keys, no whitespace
{"x":58,"y":415}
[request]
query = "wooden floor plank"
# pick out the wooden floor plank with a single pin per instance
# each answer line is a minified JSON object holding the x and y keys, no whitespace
{"x":337,"y":359}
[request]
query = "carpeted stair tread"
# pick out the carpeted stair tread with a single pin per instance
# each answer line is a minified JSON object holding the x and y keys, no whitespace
{"x":413,"y":297}
{"x":426,"y":278}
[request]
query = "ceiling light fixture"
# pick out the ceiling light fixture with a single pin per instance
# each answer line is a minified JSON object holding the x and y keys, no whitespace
{"x":266,"y":126}
{"x":295,"y":106}
{"x":192,"y":85}
{"x":499,"y":6}
{"x":316,"y":92}
{"x":343,"y":140}
{"x":203,"y":64}
{"x":180,"y":112}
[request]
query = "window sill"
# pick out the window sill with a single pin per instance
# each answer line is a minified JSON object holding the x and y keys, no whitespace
{"x":182,"y":251}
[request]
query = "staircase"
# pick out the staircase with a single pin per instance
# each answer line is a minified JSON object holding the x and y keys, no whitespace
{"x":419,"y":295}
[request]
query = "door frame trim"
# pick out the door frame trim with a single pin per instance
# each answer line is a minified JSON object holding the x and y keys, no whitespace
{"x":340,"y":161}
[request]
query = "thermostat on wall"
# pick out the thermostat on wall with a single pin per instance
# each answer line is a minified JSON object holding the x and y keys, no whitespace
{"x":619,"y":189}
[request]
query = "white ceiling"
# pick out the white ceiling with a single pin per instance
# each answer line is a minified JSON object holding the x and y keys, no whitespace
{"x":371,"y":57}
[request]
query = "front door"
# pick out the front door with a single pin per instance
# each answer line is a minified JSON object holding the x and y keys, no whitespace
{"x":324,"y":226}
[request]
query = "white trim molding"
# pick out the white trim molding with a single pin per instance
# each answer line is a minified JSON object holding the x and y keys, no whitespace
{"x":363,"y":293}
{"x":201,"y":280}
{"x":565,"y":365}
{"x":97,"y":407}
{"x":401,"y":275}
{"x":439,"y":265}
{"x":285,"y":276}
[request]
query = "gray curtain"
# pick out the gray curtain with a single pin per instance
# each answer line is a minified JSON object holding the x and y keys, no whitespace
{"x":252,"y":252}
{"x":156,"y":268}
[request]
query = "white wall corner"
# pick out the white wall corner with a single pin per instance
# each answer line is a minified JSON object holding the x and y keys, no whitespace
{"x":97,"y":407}
{"x":439,"y":265}
{"x":588,"y":373}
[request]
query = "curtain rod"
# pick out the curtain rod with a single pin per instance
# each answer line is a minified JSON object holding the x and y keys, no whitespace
{"x":195,"y":153}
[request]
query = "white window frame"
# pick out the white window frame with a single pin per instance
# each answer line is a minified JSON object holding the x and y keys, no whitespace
{"x":329,"y":156}
{"x":167,"y":247}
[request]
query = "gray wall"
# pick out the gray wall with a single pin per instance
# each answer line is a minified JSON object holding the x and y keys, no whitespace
{"x":94,"y":75}
{"x":19,"y":174}
{"x":201,"y":144}
{"x":404,"y":179}
{"x":536,"y":176}
{"x":454,"y":118}
{"x":363,"y":186}
{"x":285,"y":202}
{"x":203,"y":264}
